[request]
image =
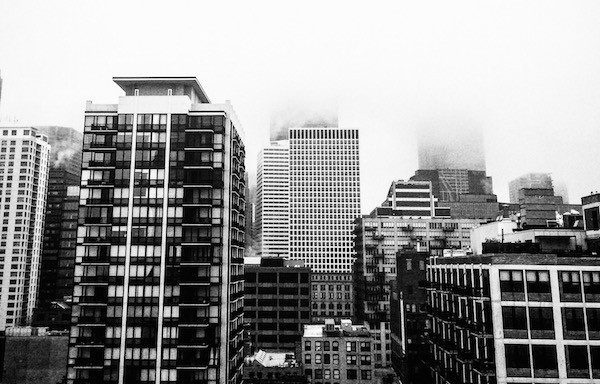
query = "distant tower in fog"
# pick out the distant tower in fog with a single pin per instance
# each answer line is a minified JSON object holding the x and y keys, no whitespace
{"x":529,"y":180}
{"x":457,"y":147}
{"x":273,"y":200}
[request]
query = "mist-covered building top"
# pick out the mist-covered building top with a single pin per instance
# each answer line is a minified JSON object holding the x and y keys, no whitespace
{"x":451,"y":147}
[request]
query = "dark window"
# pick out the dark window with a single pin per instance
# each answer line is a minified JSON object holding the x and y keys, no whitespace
{"x":595,"y":357}
{"x":514,"y":318}
{"x":574,"y":325}
{"x":544,"y":360}
{"x":591,"y":219}
{"x":541,"y":322}
{"x":517,"y":357}
{"x":351,"y":374}
{"x":577,"y":361}
{"x":593,"y":319}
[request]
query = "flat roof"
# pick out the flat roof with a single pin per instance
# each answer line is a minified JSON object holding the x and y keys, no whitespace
{"x":519,"y":259}
{"x":191,"y":81}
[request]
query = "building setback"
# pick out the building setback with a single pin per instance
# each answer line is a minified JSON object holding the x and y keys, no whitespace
{"x":324,"y":202}
{"x":276,"y":303}
{"x":337,"y":353}
{"x":504,"y":318}
{"x":529,"y":180}
{"x":24,"y":154}
{"x":159,"y":269}
{"x":273,"y":200}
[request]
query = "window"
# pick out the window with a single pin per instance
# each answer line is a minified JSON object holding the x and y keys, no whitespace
{"x":517,"y":360}
{"x":326,"y":358}
{"x":365,"y":359}
{"x":307,"y":346}
{"x":511,"y":285}
{"x":573,"y":322}
{"x":593,"y":320}
{"x":307,"y":358}
{"x":544,"y":358}
{"x":318,"y":374}
{"x":577,"y":361}
{"x":318,"y":358}
{"x":336,"y":359}
{"x":538,"y":285}
{"x":350,"y":346}
{"x":351,"y":359}
{"x":336,"y":373}
{"x":570,"y":283}
{"x":365,"y":375}
{"x":591,"y":285}
{"x":365,"y":346}
{"x":409,"y":264}
{"x":351,"y":374}
{"x":514,"y":318}
{"x":317,"y":345}
{"x":541,"y":319}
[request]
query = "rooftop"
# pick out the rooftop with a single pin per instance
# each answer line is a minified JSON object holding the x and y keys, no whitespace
{"x":330,"y":329}
{"x":149,"y":85}
{"x":520,"y":259}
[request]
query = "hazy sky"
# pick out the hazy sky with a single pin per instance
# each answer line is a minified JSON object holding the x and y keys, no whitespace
{"x":527,"y":72}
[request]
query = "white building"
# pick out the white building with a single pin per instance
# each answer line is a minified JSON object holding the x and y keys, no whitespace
{"x":273,"y":200}
{"x":24,"y":154}
{"x":324,"y":197}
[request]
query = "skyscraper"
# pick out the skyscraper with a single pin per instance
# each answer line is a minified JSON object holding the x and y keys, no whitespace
{"x":324,"y":202}
{"x":273,"y":200}
{"x":24,"y":156}
{"x":159,"y":269}
{"x":60,"y":230}
{"x":529,"y":180}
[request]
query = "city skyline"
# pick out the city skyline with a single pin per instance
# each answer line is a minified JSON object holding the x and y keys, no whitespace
{"x":421,"y":66}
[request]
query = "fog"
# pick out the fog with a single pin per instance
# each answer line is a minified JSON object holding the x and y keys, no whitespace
{"x":527,"y":74}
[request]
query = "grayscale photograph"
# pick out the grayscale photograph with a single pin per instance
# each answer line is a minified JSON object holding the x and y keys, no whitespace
{"x":316,"y":192}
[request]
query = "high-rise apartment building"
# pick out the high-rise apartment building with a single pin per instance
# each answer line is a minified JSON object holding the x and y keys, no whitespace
{"x":324,"y":202}
{"x":24,"y":154}
{"x":159,"y":268}
{"x":60,"y":230}
{"x":273,"y":200}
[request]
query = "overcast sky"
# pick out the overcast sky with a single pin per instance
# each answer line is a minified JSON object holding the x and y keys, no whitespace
{"x":526,"y":72}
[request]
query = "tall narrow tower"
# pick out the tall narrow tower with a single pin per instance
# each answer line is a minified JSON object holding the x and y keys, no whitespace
{"x":24,"y":154}
{"x":273,"y":200}
{"x":159,"y":269}
{"x":324,"y":202}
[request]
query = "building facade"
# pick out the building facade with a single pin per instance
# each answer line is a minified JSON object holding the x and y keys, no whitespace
{"x":377,"y":241}
{"x":337,"y":353}
{"x":24,"y":154}
{"x":277,"y":303}
{"x":507,"y":318}
{"x":529,"y":180}
{"x":409,"y":323}
{"x":591,"y":218}
{"x":60,"y":230}
{"x":158,"y":292}
{"x":273,"y":200}
{"x":324,"y":197}
{"x":324,"y":202}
